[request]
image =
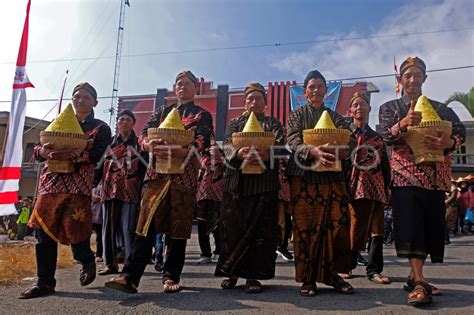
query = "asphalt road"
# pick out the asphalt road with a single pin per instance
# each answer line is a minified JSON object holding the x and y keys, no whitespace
{"x":202,"y":292}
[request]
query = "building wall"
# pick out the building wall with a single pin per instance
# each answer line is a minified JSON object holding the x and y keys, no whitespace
{"x":29,"y":169}
{"x":231,"y":105}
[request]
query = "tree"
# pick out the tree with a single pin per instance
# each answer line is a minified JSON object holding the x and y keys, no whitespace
{"x":467,"y":99}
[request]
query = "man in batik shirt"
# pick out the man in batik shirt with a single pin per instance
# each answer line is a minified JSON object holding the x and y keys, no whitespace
{"x":62,"y":212}
{"x":122,"y":175}
{"x":418,"y":190}
{"x":369,"y":178}
{"x":209,"y":199}
{"x":319,"y":199}
{"x":248,"y":221}
{"x":168,"y":200}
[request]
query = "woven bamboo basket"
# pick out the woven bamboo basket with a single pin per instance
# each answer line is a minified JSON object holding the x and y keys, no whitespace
{"x":414,"y":138}
{"x":172,"y":137}
{"x":63,"y":141}
{"x":322,"y":136}
{"x":260,"y":140}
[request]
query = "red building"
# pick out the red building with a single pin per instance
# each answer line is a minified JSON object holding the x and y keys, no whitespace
{"x":224,"y":103}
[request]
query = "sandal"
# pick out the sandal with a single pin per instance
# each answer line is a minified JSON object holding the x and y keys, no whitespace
{"x":123,"y":284}
{"x":342,"y":286}
{"x":230,"y":283}
{"x":348,"y":275}
{"x":36,"y":291}
{"x":410,"y":285}
{"x":308,"y":289}
{"x":170,"y":286}
{"x":378,"y":278}
{"x":253,"y":286}
{"x":87,"y":275}
{"x":107,"y":271}
{"x":421,"y":294}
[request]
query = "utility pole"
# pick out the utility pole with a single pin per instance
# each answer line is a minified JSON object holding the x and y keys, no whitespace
{"x":118,"y":56}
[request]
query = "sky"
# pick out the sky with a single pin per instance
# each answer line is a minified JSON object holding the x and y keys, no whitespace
{"x":162,"y":31}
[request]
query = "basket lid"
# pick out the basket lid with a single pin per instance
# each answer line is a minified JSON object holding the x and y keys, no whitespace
{"x":66,"y":121}
{"x":325,"y":122}
{"x":252,"y":124}
{"x":172,"y":121}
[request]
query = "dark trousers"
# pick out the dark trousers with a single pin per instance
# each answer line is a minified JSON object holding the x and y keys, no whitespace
{"x":47,"y":255}
{"x":98,"y":239}
{"x":204,"y":242}
{"x":118,"y":218}
{"x":283,"y":243}
{"x":375,"y":259}
{"x":141,"y":255}
{"x":21,"y":233}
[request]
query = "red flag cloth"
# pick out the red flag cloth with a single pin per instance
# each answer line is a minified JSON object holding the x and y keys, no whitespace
{"x":10,"y":172}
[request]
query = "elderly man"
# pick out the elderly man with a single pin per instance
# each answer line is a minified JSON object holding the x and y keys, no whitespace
{"x":418,"y":190}
{"x":122,"y":176}
{"x":62,"y":212}
{"x":168,"y":200}
{"x":369,"y":178}
{"x":248,"y":221}
{"x":320,"y":201}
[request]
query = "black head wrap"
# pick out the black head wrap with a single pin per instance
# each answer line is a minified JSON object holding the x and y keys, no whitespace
{"x":314,"y":74}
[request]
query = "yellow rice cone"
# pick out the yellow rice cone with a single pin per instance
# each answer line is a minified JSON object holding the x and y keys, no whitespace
{"x":428,"y":113}
{"x":252,"y":124}
{"x":172,"y":121}
{"x":66,"y":121}
{"x":325,"y":122}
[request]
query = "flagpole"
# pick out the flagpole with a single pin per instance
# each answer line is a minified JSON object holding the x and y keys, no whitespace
{"x":10,"y":171}
{"x":397,"y":85}
{"x":62,"y":91}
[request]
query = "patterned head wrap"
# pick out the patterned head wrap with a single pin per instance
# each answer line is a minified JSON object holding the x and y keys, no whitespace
{"x":254,"y":86}
{"x":356,"y":95}
{"x":85,"y":86}
{"x":187,"y":74}
{"x":412,"y":62}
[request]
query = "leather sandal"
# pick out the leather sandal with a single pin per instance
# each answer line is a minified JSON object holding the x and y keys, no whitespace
{"x":36,"y":291}
{"x":253,"y":286}
{"x":342,"y":286}
{"x":410,"y":285}
{"x":170,"y":286}
{"x":378,"y":278}
{"x":308,"y":289}
{"x":122,"y":284}
{"x":87,"y":275}
{"x":107,"y":271}
{"x":421,"y":294}
{"x":230,"y":283}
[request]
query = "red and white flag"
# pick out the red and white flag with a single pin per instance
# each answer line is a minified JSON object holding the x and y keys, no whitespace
{"x":10,"y":171}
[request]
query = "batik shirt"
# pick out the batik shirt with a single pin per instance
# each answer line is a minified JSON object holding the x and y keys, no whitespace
{"x":194,"y":118}
{"x":306,"y":117}
{"x":211,"y":177}
{"x":81,"y":181}
{"x":249,"y":184}
{"x":369,"y":174}
{"x":122,"y":170}
{"x":284,"y":193}
{"x":405,"y":172}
